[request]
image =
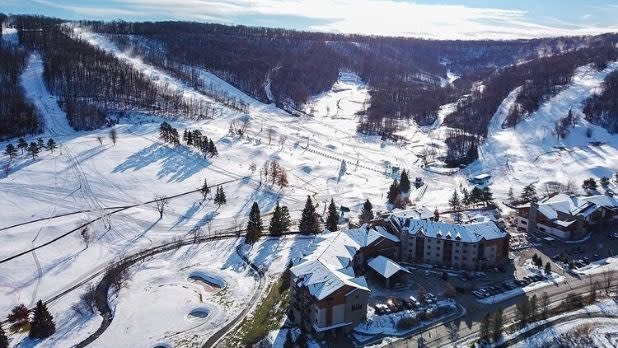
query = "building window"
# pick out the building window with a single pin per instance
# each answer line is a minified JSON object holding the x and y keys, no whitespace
{"x":464,"y":258}
{"x":456,"y":251}
{"x":456,"y":244}
{"x":524,"y":222}
{"x":456,"y":257}
{"x":428,"y":253}
{"x":429,"y":247}
{"x":438,"y":248}
{"x":465,"y":251}
{"x":357,"y":306}
{"x":437,"y":254}
{"x":473,"y":259}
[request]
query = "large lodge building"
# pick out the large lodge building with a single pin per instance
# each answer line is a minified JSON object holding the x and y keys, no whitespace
{"x":329,"y":291}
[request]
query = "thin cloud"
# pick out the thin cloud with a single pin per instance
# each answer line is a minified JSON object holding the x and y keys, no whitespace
{"x":376,"y":17}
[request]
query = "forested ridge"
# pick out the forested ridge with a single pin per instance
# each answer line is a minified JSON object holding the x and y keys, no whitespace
{"x":17,"y":115}
{"x":405,"y":75}
{"x":602,"y":108}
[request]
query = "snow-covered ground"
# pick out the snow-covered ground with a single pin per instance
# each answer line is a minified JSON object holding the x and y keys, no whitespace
{"x":9,"y":35}
{"x":84,"y":175}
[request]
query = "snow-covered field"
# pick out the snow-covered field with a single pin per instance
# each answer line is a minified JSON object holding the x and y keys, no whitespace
{"x":84,"y":177}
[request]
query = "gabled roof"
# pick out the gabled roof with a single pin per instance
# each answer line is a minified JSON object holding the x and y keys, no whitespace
{"x":385,"y":266}
{"x":467,"y":233}
{"x":574,"y":205}
{"x":330,"y":265}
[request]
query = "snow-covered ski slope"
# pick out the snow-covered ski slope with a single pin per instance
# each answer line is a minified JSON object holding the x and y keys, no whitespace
{"x":83,"y":177}
{"x":532,"y":153}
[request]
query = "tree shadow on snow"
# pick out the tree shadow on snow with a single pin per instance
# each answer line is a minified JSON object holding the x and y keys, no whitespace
{"x":178,"y":163}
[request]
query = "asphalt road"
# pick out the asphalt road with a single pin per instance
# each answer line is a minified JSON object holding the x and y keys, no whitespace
{"x":468,"y":326}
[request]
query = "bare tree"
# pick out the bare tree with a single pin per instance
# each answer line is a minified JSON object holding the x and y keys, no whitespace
{"x":244,"y":125}
{"x":161,"y":204}
{"x":113,"y":135}
{"x":270,"y":132}
{"x":282,"y":139}
{"x":252,"y":167}
{"x":608,"y":278}
{"x":7,"y":168}
{"x":100,"y":139}
{"x":453,"y":331}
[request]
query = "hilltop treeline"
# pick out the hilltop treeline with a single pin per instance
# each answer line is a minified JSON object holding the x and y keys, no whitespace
{"x":92,"y":83}
{"x":540,"y":79}
{"x":403,"y":73}
{"x":602,"y":108}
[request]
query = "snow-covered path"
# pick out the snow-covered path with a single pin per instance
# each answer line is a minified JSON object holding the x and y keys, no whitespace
{"x":54,"y":119}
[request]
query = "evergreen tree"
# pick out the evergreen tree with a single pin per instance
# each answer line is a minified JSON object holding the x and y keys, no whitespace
{"x":220,"y":196}
{"x":33,"y":149}
{"x":22,"y":145}
{"x":275,"y":222}
{"x":4,"y":341}
{"x":51,"y":145}
{"x":393,"y":192}
{"x":203,"y":147}
{"x":544,"y":305}
{"x":454,"y":201}
{"x":476,"y":196}
{"x":205,"y":189}
{"x":42,"y":325}
{"x":289,"y":342}
{"x":488,"y":196}
{"x":286,"y":221}
{"x":604,"y":181}
{"x":511,"y":196}
{"x":332,"y":219}
{"x":484,"y":330}
{"x":466,"y":197}
{"x":547,"y":268}
{"x":589,"y":184}
{"x":185,"y":136}
{"x":528,"y":193}
{"x":534,"y":307}
{"x":40,"y":143}
{"x":522,"y":310}
{"x":10,"y":151}
{"x":497,"y":324}
{"x":404,"y":182}
{"x":308,"y":221}
{"x":212,"y":149}
{"x":366,"y":214}
{"x":254,"y":225}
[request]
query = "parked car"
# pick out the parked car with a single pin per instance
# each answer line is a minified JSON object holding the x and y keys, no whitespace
{"x":381,"y":308}
{"x":414,"y":301}
{"x":518,"y":282}
{"x":479,"y":294}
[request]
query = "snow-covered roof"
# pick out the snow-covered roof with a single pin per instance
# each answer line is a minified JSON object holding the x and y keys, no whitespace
{"x":467,"y":233}
{"x":385,"y":266}
{"x":330,"y":264}
{"x":574,"y":205}
{"x":482,"y":177}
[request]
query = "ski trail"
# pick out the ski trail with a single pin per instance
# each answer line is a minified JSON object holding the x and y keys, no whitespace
{"x":55,"y":120}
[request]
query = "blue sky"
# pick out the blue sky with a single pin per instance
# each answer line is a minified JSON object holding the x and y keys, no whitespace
{"x":449,"y":19}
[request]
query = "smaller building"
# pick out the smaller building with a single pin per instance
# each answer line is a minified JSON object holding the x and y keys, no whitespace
{"x":566,"y":216}
{"x":480,"y":180}
{"x":386,"y":268}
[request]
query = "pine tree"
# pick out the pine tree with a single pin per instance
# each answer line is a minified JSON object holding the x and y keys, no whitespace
{"x":308,"y":221}
{"x":366,"y":214}
{"x":33,"y":149}
{"x":511,"y":196}
{"x":205,"y":189}
{"x":10,"y":151}
{"x":484,"y":330}
{"x":393,"y":192}
{"x":604,"y":181}
{"x":333,"y":217}
{"x":51,"y":145}
{"x":544,"y":305}
{"x":275,"y":222}
{"x":476,"y":195}
{"x":289,"y":342}
{"x":40,"y":143}
{"x":488,"y":196}
{"x":4,"y":341}
{"x":42,"y":325}
{"x":212,"y":149}
{"x":528,"y":193}
{"x":404,"y":182}
{"x":497,"y":324}
{"x":22,"y":145}
{"x":185,"y":136}
{"x":589,"y":184}
{"x":534,"y":307}
{"x":466,"y":197}
{"x":522,"y":310}
{"x":220,"y":196}
{"x":254,"y":225}
{"x":286,"y":221}
{"x":454,"y":201}
{"x":547,"y":268}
